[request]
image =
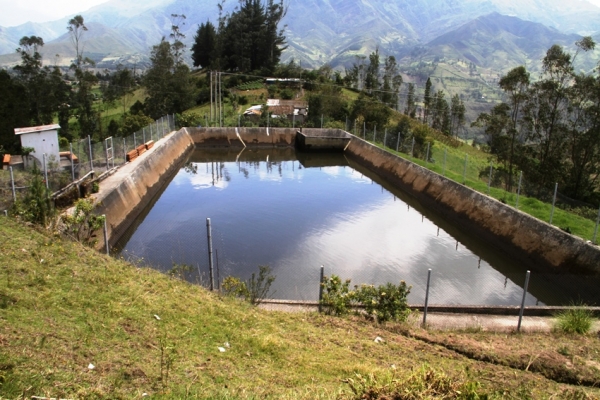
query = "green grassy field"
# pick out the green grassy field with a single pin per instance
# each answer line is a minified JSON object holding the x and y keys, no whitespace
{"x":77,"y":324}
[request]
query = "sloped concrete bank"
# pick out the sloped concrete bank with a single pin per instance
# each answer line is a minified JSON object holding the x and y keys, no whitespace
{"x":537,"y":244}
{"x":534,"y":242}
{"x":124,"y":194}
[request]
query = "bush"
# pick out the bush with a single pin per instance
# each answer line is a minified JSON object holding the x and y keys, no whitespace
{"x":385,"y":302}
{"x":575,"y":320}
{"x":37,"y":206}
{"x":254,"y":290}
{"x":83,"y":224}
{"x":337,"y":298}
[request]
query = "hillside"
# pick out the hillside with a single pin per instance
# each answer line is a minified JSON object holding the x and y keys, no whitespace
{"x":318,"y":31}
{"x":76,"y":324}
{"x":493,"y":40}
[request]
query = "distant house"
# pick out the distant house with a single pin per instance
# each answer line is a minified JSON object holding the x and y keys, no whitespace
{"x":43,"y":139}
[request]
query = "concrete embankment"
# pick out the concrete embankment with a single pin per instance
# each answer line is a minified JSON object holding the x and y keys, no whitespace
{"x":534,"y":242}
{"x":125,"y":193}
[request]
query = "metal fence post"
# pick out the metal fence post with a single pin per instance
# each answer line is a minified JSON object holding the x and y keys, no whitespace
{"x":445,"y":155}
{"x":106,"y":235}
{"x":384,"y":138}
{"x":12,"y":182}
{"x":596,"y":228}
{"x":321,"y":288}
{"x":427,"y":156}
{"x":321,"y":121}
{"x":45,"y":170}
{"x":364,"y":130}
{"x":412,"y":149}
{"x":465,"y":170}
{"x":553,"y":202}
{"x":374,"y":133}
{"x":490,"y":178}
{"x":90,"y":146}
{"x":210,"y":253}
{"x":72,"y":164}
{"x":523,"y":301}
{"x":124,"y":151}
{"x":426,"y":298}
{"x":519,"y":189}
{"x":398,"y":142}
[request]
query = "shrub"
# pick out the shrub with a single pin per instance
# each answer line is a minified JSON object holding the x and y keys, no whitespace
{"x":385,"y":302}
{"x":575,"y":320}
{"x":337,"y":298}
{"x":258,"y":286}
{"x":254,"y":290}
{"x":82,"y":224}
{"x":37,"y":206}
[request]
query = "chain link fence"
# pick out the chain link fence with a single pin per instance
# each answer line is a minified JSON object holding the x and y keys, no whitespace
{"x":78,"y":159}
{"x":543,"y":201}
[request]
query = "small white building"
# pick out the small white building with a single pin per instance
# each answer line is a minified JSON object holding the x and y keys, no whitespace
{"x":43,"y":139}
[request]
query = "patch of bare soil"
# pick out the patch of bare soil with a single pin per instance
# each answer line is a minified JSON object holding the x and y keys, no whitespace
{"x":562,"y":358}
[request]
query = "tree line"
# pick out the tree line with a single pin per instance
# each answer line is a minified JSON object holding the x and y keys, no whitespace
{"x":549,"y":128}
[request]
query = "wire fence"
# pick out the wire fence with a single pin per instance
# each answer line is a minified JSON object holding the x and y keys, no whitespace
{"x":543,"y":201}
{"x":77,"y":159}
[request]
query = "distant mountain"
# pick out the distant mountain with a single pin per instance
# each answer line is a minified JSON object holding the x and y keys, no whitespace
{"x":332,"y":31}
{"x":494,"y":40}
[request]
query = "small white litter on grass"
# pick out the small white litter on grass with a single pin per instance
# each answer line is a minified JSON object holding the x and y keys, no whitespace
{"x":222,"y":349}
{"x":379,"y":340}
{"x":157,"y":317}
{"x":91,"y":366}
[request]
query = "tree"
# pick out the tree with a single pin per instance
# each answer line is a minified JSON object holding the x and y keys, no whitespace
{"x":77,"y":28}
{"x":411,"y":108}
{"x":177,"y":45}
{"x":204,"y":47}
{"x":372,"y":74}
{"x":168,"y":85}
{"x":355,"y":76}
{"x":515,"y":84}
{"x":457,"y":115}
{"x":249,"y":39}
{"x":370,"y":111}
{"x":392,"y":81}
{"x":427,"y":101}
{"x":13,"y":111}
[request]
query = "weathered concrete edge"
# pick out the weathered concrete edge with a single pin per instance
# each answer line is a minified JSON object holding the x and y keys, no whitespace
{"x":532,"y":311}
{"x":536,"y":243}
{"x":124,"y":194}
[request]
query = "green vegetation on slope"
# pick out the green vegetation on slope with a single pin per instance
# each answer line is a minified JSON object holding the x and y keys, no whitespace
{"x":77,"y":324}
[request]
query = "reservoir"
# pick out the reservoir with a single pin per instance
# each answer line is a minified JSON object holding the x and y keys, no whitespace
{"x":296,"y":211}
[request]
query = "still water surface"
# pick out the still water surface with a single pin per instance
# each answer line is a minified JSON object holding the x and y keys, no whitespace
{"x":296,"y":212}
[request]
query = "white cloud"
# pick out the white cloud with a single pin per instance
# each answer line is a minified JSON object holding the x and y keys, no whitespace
{"x":17,"y":13}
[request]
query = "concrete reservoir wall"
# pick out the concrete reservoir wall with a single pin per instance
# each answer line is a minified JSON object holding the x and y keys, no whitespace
{"x":541,"y":246}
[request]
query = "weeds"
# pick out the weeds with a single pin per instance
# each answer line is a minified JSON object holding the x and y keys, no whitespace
{"x":423,"y":383}
{"x":254,"y":290}
{"x":82,"y":224}
{"x":384,"y":302}
{"x":577,"y":319}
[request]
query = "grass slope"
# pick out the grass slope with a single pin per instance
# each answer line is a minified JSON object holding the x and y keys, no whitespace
{"x":64,"y":307}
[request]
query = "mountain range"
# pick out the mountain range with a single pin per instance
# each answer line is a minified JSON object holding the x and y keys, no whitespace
{"x":498,"y":34}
